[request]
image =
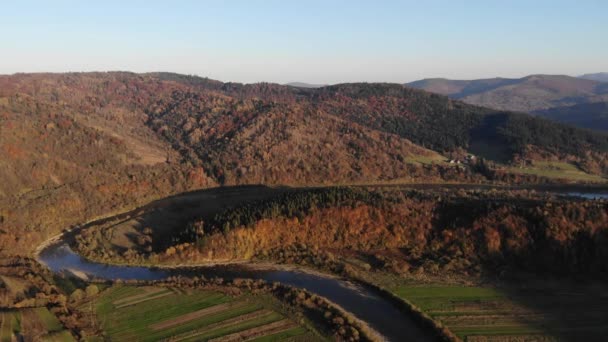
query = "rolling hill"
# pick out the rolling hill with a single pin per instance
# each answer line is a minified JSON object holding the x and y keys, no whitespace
{"x":587,"y":115}
{"x":573,"y":100}
{"x":527,"y":94}
{"x":600,"y":77}
{"x":305,"y":85}
{"x":77,"y":145}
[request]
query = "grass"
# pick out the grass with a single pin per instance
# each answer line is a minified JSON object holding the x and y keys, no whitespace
{"x":11,"y":324}
{"x":558,"y":170}
{"x":61,"y":336}
{"x":51,"y":322}
{"x":214,"y":333}
{"x":426,"y":160}
{"x":137,"y":321}
{"x":554,"y":310}
{"x":6,"y":329}
{"x":469,"y":311}
{"x":283,"y":335}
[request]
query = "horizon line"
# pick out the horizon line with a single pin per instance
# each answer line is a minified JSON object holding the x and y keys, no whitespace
{"x":312,"y":83}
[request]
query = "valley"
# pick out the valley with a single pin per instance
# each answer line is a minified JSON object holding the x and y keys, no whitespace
{"x":267,"y":212}
{"x":290,"y":171}
{"x":505,"y":295}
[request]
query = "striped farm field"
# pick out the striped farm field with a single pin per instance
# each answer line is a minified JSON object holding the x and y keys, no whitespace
{"x":490,"y":314}
{"x":131,"y":313}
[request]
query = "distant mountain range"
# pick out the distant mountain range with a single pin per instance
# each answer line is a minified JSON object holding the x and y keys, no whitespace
{"x":600,"y":76}
{"x":548,"y":95}
{"x":305,"y":85}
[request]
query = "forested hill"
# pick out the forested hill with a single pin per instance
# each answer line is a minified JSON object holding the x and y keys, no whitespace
{"x":443,"y":124}
{"x":430,"y":121}
{"x":74,"y":146}
{"x":578,"y":101}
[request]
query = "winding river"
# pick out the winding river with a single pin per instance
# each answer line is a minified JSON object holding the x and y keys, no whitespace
{"x":379,"y":313}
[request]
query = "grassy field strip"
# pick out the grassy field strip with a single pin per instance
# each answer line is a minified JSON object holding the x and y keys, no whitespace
{"x":152,"y":335}
{"x":165,"y":308}
{"x":231,"y":329}
{"x":203,"y":322}
{"x":557,"y":170}
{"x":492,"y":319}
{"x":61,"y":336}
{"x":501,"y":312}
{"x":49,"y":320}
{"x":485,"y":314}
{"x":146,"y":291}
{"x":196,"y":315}
{"x":133,"y":321}
{"x":511,"y":331}
{"x":179,"y":291}
{"x":474,"y":311}
{"x":426,"y":160}
{"x":146,"y":298}
{"x":10,"y":323}
{"x":280,"y":336}
{"x":224,"y":323}
{"x":5,"y":327}
{"x":249,"y":334}
{"x":121,"y":292}
{"x":193,"y":315}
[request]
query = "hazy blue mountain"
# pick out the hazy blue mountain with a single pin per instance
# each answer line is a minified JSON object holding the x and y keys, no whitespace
{"x":600,"y":76}
{"x":587,"y":115}
{"x":305,"y":85}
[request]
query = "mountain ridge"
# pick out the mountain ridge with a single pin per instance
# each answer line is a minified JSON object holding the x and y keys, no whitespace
{"x":599,"y":76}
{"x":534,"y":94}
{"x":77,"y":145}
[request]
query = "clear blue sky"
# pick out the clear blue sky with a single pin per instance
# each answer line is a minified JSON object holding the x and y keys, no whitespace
{"x":310,"y":41}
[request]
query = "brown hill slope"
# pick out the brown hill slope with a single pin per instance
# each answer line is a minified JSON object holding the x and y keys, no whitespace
{"x":252,"y":141}
{"x":75,"y":146}
{"x":72,"y":149}
{"x":205,"y":127}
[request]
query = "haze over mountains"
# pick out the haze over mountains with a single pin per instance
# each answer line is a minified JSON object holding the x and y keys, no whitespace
{"x":600,"y":76}
{"x":305,"y":85}
{"x":574,"y":100}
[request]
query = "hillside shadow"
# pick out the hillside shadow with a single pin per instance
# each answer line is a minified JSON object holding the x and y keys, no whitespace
{"x":567,"y":308}
{"x":486,"y":143}
{"x":166,"y":216}
{"x":554,"y":287}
